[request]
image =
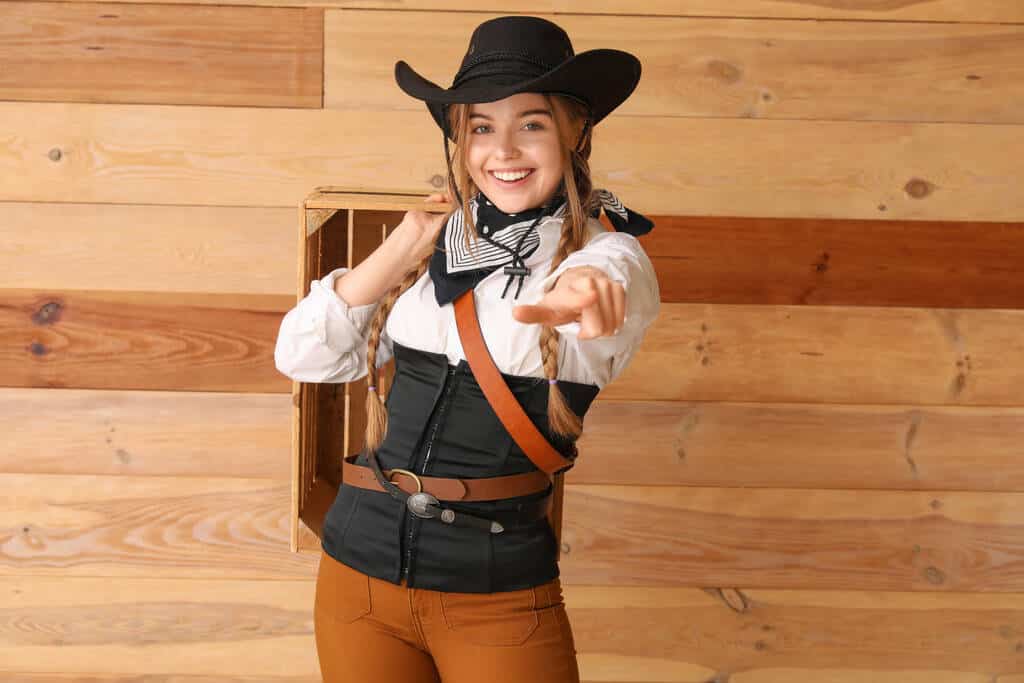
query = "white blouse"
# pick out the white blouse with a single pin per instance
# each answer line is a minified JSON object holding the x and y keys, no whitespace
{"x":323,"y":339}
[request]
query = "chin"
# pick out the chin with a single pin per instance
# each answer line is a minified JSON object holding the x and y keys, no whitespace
{"x":514,"y":202}
{"x":515,"y":205}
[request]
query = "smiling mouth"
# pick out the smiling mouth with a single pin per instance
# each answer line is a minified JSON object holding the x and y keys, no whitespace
{"x":511,"y":178}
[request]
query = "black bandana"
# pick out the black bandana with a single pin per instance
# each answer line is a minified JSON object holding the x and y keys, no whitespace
{"x":506,"y":240}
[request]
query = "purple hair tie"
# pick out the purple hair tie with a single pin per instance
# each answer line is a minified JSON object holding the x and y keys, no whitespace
{"x":552,"y":381}
{"x":372,"y":388}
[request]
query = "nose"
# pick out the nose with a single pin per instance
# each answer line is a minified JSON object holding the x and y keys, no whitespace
{"x":507,"y":148}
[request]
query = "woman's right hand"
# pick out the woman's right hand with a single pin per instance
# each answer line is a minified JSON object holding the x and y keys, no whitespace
{"x":419,"y":229}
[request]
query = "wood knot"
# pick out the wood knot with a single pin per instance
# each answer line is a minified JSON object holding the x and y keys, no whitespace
{"x":48,"y":313}
{"x":934,"y":575}
{"x":724,"y":71}
{"x":821,"y":265}
{"x":918,"y":188}
{"x":437,"y":180}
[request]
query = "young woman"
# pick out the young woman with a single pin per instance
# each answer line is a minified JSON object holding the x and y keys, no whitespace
{"x":465,"y":587}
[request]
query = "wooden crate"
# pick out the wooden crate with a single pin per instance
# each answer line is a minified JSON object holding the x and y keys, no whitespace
{"x":337,"y":227}
{"x":340,"y":227}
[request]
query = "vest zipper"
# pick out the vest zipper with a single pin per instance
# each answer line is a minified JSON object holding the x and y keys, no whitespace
{"x":411,"y":519}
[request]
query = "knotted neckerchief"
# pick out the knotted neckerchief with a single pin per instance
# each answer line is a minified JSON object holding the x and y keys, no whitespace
{"x":506,"y":240}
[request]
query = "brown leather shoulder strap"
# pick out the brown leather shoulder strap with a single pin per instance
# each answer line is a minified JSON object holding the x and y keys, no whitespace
{"x":508,"y":409}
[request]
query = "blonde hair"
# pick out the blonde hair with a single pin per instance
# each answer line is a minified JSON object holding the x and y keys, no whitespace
{"x":569,"y":116}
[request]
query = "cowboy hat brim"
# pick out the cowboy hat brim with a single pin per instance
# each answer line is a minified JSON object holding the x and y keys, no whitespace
{"x":603,"y":78}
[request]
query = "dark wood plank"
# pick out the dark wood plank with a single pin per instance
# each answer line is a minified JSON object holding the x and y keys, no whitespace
{"x":162,"y":54}
{"x":794,"y":261}
{"x":692,"y":352}
{"x":141,"y":340}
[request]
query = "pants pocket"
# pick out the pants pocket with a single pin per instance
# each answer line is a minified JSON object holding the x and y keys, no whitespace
{"x":342,"y":593}
{"x":504,"y":618}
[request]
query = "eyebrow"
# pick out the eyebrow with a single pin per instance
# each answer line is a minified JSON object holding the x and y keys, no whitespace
{"x":528,"y":112}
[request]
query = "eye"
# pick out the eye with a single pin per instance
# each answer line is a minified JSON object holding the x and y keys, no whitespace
{"x":477,"y":129}
{"x":534,"y":123}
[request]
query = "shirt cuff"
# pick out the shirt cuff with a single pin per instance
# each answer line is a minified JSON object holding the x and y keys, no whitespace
{"x":337,"y":324}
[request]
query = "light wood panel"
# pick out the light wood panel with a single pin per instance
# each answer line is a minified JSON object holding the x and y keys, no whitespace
{"x":226,"y":630}
{"x":126,"y":247}
{"x":787,"y":538}
{"x":89,"y":627}
{"x":699,"y":67}
{"x":801,"y":445}
{"x":145,"y":433}
{"x":154,"y":53}
{"x":202,"y":155}
{"x":157,"y":433}
{"x":692,"y":352}
{"x":828,"y":354}
{"x":911,"y":10}
{"x":181,"y":527}
{"x":205,"y":527}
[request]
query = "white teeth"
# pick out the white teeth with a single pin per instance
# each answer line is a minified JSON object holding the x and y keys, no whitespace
{"x":510,"y":176}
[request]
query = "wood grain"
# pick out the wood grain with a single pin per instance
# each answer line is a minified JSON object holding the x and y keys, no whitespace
{"x":133,"y":340}
{"x":206,"y":527}
{"x":145,"y":433}
{"x":732,"y":260}
{"x":779,"y":538}
{"x":160,"y":54}
{"x":828,"y":354}
{"x":832,"y":262}
{"x":97,"y":631}
{"x":125,"y":247}
{"x":872,"y":10}
{"x":692,"y":352}
{"x":152,"y":154}
{"x":182,"y":527}
{"x":716,"y":68}
{"x":212,"y":434}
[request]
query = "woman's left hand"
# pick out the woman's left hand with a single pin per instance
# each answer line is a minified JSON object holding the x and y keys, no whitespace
{"x":583,"y":294}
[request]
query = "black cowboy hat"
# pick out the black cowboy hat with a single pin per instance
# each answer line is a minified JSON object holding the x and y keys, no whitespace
{"x":515,"y":54}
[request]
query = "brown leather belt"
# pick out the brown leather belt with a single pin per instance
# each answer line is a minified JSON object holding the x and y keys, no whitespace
{"x":486,"y":488}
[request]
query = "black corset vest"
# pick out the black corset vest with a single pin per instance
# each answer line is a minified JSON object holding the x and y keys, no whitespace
{"x":441,"y":424}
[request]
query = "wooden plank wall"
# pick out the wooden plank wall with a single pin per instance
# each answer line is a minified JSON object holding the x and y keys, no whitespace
{"x":812,"y":470}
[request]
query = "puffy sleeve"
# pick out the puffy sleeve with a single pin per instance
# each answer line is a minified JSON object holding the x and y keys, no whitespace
{"x":624,"y":260}
{"x":323,"y":339}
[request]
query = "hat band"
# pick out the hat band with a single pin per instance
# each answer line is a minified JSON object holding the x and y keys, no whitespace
{"x":484,"y":66}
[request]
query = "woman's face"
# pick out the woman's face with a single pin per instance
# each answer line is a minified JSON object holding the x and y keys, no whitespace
{"x":516,"y":138}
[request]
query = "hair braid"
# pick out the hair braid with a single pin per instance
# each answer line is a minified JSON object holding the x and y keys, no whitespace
{"x":376,"y":415}
{"x":581,"y":200}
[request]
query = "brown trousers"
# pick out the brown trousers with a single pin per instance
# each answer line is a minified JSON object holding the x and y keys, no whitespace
{"x":368,"y":629}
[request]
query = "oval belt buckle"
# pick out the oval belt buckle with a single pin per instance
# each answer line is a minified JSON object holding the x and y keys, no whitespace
{"x":419,"y":502}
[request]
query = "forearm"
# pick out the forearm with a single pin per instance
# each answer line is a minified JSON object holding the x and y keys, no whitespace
{"x":371,"y":279}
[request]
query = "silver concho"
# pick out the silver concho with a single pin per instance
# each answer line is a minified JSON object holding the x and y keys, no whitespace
{"x":418,"y":502}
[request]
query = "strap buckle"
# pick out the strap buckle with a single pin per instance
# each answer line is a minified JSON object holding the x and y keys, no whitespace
{"x":419,"y":483}
{"x":421,"y":503}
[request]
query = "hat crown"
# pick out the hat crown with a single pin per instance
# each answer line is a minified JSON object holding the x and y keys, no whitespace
{"x":533,"y":45}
